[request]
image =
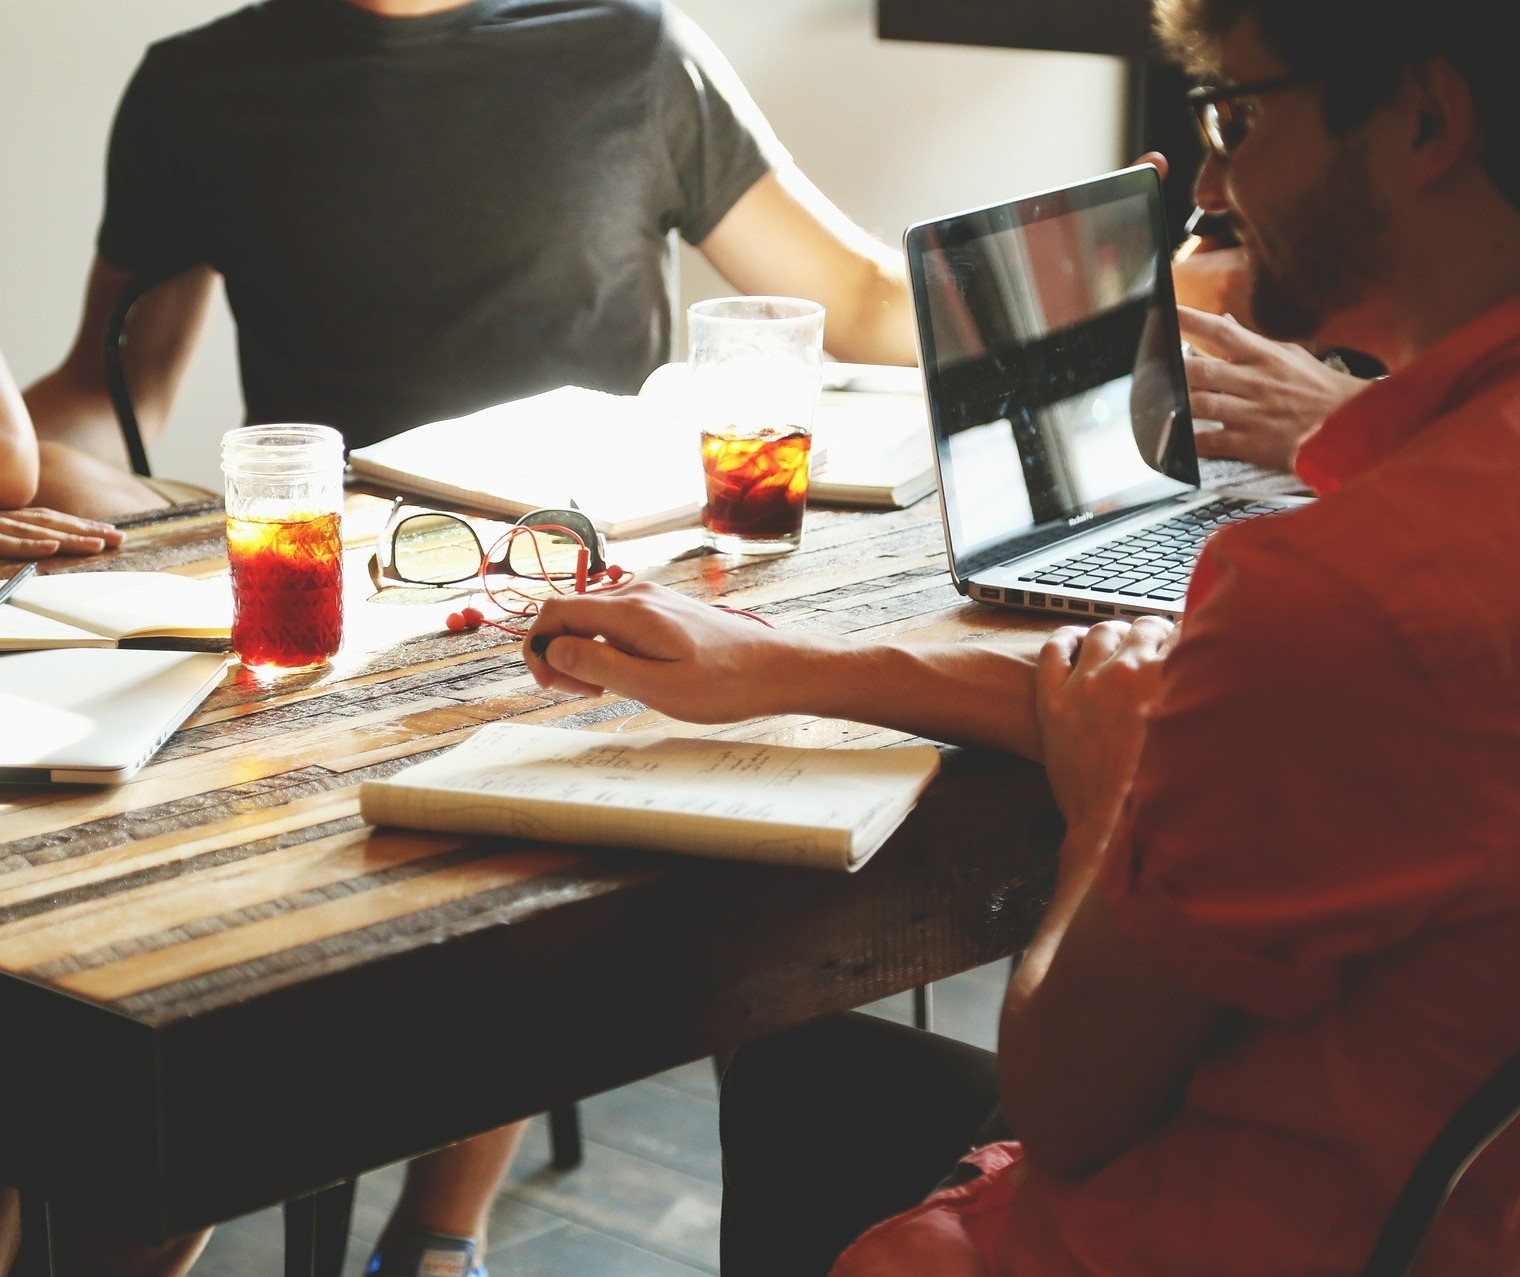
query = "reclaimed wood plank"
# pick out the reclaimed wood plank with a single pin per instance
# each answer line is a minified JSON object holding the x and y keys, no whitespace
{"x":116,"y":863}
{"x":270,"y":936}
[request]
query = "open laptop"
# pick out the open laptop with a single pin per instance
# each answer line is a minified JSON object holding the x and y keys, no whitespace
{"x":1053,"y":371}
{"x":94,"y":716}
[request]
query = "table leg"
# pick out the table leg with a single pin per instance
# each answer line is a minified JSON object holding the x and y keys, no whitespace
{"x":565,"y":1136}
{"x":36,"y":1257}
{"x":316,"y":1231}
{"x":923,"y":1008}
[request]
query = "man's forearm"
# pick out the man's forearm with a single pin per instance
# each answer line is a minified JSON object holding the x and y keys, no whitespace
{"x":880,"y":328}
{"x":960,"y":694}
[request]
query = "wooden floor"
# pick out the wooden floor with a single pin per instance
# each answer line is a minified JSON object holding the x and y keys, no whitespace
{"x":645,"y":1201}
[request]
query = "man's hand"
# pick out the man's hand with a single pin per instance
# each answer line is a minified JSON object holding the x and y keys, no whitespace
{"x":1268,"y":395}
{"x":36,"y":533}
{"x":1093,"y":688}
{"x":690,"y":660}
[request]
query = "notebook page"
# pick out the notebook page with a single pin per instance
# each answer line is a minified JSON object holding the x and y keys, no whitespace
{"x":738,"y":799}
{"x":123,"y":604}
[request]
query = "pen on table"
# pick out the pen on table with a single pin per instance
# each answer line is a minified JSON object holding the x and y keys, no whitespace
{"x":8,"y":586}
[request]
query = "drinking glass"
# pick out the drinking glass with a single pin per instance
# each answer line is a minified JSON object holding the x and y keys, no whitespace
{"x":284,"y":544}
{"x":754,"y":367}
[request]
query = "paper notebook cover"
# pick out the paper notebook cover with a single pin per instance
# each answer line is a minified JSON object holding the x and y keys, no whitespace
{"x":627,"y":464}
{"x":820,"y":808}
{"x":107,"y":609}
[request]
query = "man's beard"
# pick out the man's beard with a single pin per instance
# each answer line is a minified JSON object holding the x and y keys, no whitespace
{"x":1326,"y":251}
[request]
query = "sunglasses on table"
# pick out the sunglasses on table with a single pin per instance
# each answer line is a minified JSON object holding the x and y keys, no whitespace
{"x":421,"y":546}
{"x":1224,"y":112}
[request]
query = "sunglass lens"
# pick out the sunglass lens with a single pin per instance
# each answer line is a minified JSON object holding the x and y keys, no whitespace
{"x":546,"y":553}
{"x":435,"y":549}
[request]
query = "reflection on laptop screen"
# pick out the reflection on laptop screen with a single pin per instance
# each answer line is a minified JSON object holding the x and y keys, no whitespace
{"x":1056,"y":398}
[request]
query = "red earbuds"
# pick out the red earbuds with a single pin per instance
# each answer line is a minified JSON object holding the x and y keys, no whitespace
{"x":513,"y":601}
{"x":470,"y":618}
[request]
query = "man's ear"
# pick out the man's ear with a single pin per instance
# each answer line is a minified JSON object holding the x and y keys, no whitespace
{"x":1438,"y":120}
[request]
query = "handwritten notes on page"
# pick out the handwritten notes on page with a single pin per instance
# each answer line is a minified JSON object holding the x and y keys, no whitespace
{"x":824,"y":808}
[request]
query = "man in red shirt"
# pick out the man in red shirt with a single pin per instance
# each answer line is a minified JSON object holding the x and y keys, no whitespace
{"x":1285,"y":940}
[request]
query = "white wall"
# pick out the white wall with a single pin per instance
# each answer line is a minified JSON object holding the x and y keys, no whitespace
{"x":892,"y":132}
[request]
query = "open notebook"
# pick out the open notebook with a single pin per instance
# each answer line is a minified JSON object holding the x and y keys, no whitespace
{"x":117,"y":609}
{"x":631,"y":468}
{"x":817,"y":808}
{"x":631,"y":462}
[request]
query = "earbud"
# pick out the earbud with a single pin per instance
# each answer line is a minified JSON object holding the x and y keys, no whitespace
{"x":470,"y":618}
{"x":1430,"y":128}
{"x":614,"y":574}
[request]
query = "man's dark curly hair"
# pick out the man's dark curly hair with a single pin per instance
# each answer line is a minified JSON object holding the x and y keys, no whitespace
{"x":1358,"y":49}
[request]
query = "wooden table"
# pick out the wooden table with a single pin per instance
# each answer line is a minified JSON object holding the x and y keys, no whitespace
{"x":220,"y":989}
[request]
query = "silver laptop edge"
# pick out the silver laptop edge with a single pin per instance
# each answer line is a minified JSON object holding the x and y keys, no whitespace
{"x":999,"y":583}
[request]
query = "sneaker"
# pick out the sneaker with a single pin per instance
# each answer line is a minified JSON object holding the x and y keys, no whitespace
{"x":422,"y":1254}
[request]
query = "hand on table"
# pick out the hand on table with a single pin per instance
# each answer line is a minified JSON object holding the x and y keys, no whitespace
{"x":687,"y":659}
{"x":1092,"y":690}
{"x":1268,"y":395}
{"x":37,"y":533}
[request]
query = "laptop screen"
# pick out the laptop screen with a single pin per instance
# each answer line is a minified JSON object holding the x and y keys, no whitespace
{"x":1052,"y":364}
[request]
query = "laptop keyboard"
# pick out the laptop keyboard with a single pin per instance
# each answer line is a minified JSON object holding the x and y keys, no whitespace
{"x":1155,"y":562}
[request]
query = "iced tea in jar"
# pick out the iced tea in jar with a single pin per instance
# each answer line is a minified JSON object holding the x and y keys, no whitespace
{"x":754,"y":368}
{"x":284,"y":544}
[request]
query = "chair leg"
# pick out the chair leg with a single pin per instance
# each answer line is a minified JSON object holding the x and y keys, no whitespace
{"x":36,"y":1255}
{"x":316,"y":1231}
{"x":720,"y":1063}
{"x":923,"y":1007}
{"x":565,"y":1137}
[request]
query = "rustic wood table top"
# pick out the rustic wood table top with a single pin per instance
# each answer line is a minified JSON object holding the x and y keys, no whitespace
{"x":219,"y":988}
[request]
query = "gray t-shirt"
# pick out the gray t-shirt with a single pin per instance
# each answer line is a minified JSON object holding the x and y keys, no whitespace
{"x":417,"y":217}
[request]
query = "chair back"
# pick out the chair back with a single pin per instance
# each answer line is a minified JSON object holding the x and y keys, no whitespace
{"x":116,"y":374}
{"x":1486,"y":1115}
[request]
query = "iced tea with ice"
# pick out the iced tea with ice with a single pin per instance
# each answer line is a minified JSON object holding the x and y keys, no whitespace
{"x":757,"y":484}
{"x":287,"y":588}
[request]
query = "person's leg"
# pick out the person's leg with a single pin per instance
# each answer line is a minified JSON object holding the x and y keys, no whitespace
{"x":77,"y":483}
{"x":447,"y":1194}
{"x":83,"y":1249}
{"x":10,"y":1227}
{"x":835,"y":1126}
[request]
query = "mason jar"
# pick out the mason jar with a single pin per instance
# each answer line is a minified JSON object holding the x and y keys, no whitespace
{"x":284,"y":544}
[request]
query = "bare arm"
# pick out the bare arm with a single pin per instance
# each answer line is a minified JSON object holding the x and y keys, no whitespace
{"x":18,"y":445}
{"x":27,"y":531}
{"x":698,"y":663}
{"x":71,"y":405}
{"x":785,"y":238}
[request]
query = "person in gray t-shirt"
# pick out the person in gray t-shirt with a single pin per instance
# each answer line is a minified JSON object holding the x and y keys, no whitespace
{"x":418,"y":208}
{"x":417,"y":216}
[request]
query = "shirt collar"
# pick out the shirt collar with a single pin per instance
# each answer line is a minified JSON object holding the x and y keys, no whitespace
{"x":1358,"y":436}
{"x":364,"y":27}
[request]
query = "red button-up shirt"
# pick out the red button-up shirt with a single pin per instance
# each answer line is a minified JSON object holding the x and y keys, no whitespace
{"x":1324,"y":834}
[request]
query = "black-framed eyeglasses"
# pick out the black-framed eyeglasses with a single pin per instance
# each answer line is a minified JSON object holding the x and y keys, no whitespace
{"x":1224,"y":112}
{"x":422,"y":546}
